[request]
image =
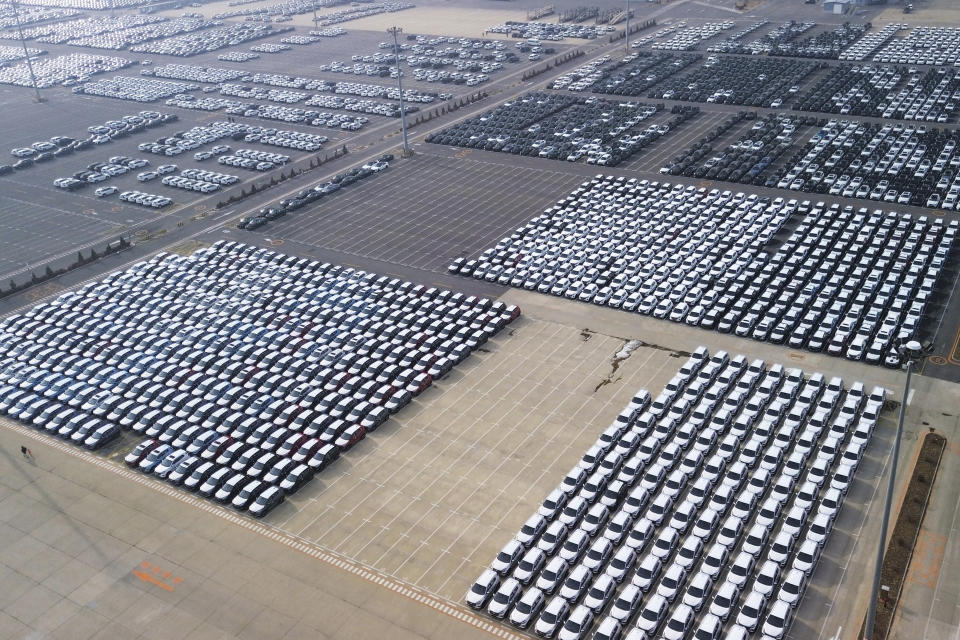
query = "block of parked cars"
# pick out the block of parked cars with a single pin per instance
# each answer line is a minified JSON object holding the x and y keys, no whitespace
{"x":312,"y":194}
{"x":785,"y":33}
{"x":100,"y":171}
{"x":756,"y":82}
{"x":690,"y":37}
{"x":145,"y":199}
{"x":67,"y":70}
{"x":59,"y":146}
{"x":631,"y":75}
{"x":224,"y":179}
{"x":61,"y":31}
{"x":135,"y":88}
{"x":194,"y":73}
{"x":865,"y":46}
{"x":901,"y":163}
{"x":373,"y":107}
{"x":702,"y":513}
{"x":11,"y":54}
{"x":826,"y":44}
{"x":189,"y":184}
{"x":924,"y":45}
{"x":733,"y":42}
{"x":125,"y":38}
{"x":848,"y":282}
{"x":245,"y":370}
{"x":359,"y":11}
{"x":537,"y":31}
{"x":237,"y":56}
{"x":899,"y":93}
{"x":226,"y":35}
{"x":259,"y":93}
{"x":746,"y":159}
{"x":554,"y":126}
{"x":270,"y":47}
{"x":27,"y":15}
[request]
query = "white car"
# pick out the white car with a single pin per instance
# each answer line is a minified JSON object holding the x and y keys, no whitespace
{"x":552,"y":617}
{"x":751,"y":612}
{"x":553,"y":575}
{"x":504,"y":598}
{"x":679,"y":623}
{"x":577,"y":624}
{"x":627,"y":603}
{"x":647,"y":573}
{"x":105,"y":191}
{"x":674,"y":578}
{"x":725,"y":600}
{"x":778,"y":620}
{"x":653,"y":614}
{"x":529,"y":565}
{"x":483,"y":589}
{"x":792,"y":587}
{"x":698,"y":591}
{"x":527,"y":608}
{"x":600,"y":593}
{"x":766,"y":578}
{"x":508,"y":557}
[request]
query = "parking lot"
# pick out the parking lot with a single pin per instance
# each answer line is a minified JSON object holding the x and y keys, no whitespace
{"x":476,"y":202}
{"x":423,"y":501}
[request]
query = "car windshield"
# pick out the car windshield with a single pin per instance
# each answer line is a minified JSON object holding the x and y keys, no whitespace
{"x":676,"y":625}
{"x":479,"y":589}
{"x":650,"y":614}
{"x":574,"y":626}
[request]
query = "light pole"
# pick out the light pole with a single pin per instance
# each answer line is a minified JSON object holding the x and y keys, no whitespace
{"x":403,"y":112}
{"x":627,"y":41}
{"x":26,"y":52}
{"x":911,"y":352}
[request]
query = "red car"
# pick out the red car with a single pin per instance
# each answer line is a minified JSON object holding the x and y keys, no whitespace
{"x":351,"y":436}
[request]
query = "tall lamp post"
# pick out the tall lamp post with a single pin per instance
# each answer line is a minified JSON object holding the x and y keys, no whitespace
{"x":26,"y":52}
{"x":911,"y":352}
{"x":403,"y":112}
{"x":627,"y":37}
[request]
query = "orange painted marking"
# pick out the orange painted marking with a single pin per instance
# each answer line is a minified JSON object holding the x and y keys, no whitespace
{"x":146,"y":577}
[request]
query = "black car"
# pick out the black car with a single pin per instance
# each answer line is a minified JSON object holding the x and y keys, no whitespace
{"x":299,"y":476}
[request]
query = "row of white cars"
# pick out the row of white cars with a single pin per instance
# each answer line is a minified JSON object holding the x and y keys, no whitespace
{"x":700,"y":514}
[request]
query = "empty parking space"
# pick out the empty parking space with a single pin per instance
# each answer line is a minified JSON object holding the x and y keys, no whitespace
{"x":436,"y":493}
{"x":425,"y":212}
{"x":34,"y":228}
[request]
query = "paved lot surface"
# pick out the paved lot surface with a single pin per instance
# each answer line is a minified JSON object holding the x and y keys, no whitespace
{"x":86,"y":553}
{"x":425,"y":212}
